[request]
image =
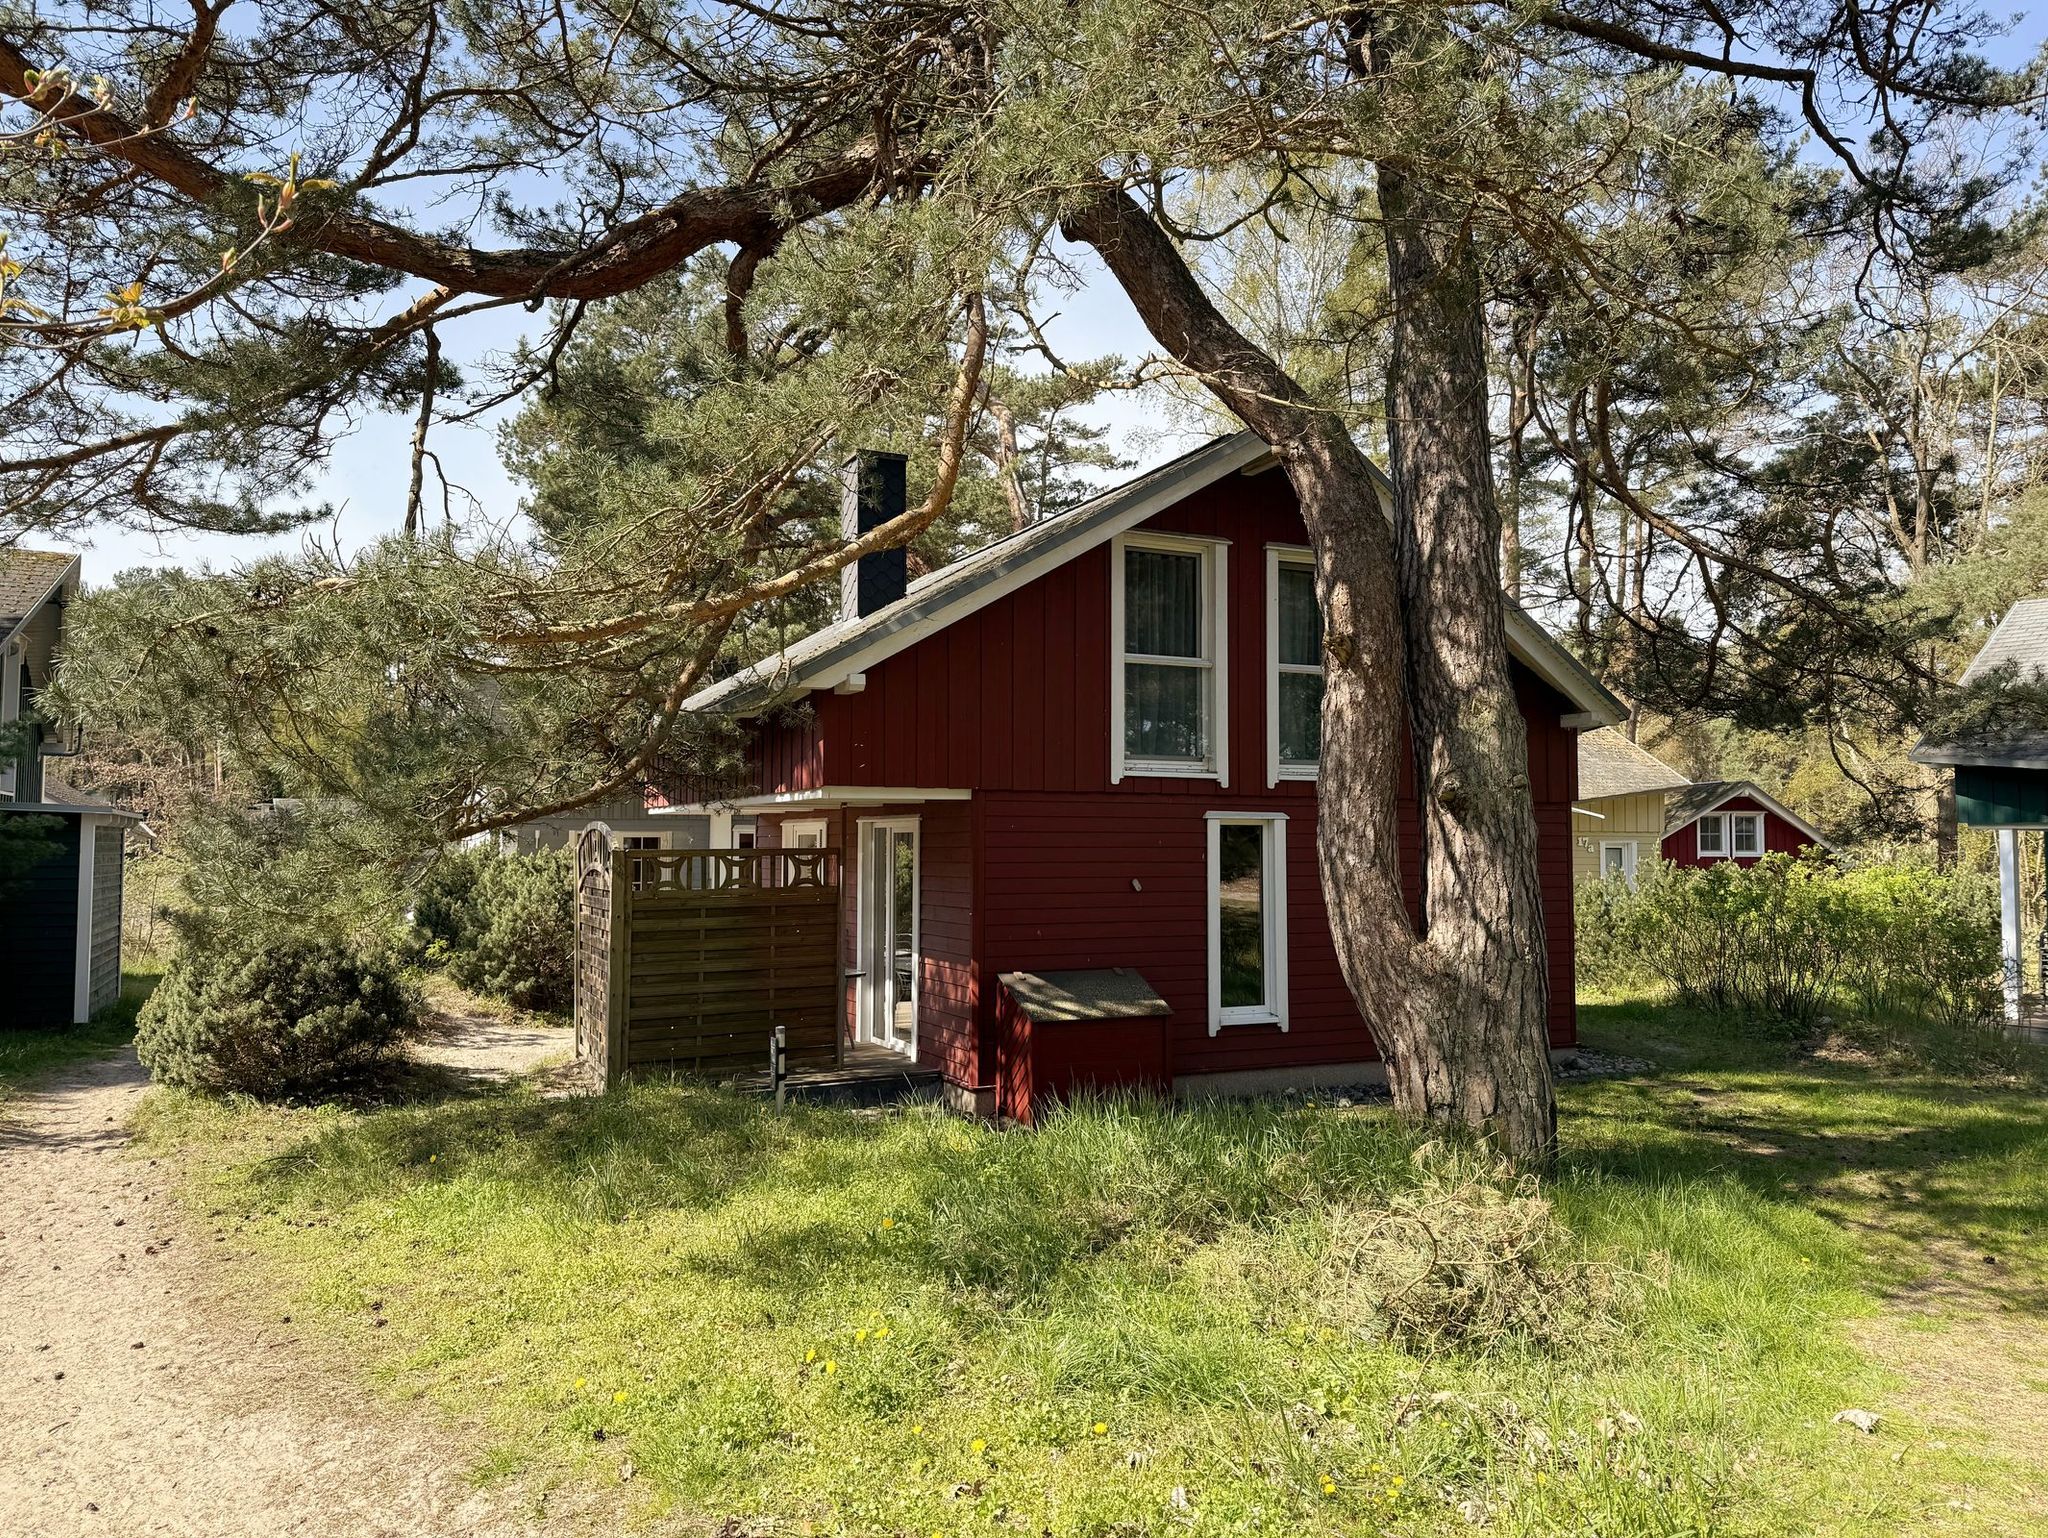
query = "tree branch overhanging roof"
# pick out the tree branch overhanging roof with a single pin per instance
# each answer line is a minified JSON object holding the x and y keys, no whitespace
{"x":829,"y":657}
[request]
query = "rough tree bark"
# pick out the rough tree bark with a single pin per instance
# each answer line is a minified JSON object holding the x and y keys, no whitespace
{"x":1451,"y":1001}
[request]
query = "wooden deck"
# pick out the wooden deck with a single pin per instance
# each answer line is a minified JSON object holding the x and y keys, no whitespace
{"x":870,"y":1075}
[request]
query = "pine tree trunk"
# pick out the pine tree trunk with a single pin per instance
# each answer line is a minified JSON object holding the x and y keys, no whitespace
{"x":1458,"y":1005}
{"x":1482,"y":894}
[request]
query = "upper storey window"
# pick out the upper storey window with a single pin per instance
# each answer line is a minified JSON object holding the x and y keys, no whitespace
{"x":1167,"y":694}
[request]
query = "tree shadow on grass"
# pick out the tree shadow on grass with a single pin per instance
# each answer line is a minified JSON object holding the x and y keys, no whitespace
{"x":1923,"y":1162}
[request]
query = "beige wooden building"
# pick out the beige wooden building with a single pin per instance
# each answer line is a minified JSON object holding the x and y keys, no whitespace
{"x":1618,"y":820}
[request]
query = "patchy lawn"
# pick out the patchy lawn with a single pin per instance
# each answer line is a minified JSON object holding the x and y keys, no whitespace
{"x":1223,"y":1320}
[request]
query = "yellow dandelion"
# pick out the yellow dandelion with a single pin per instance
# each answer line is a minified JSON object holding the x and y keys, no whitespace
{"x":619,"y":1397}
{"x":917,"y":1430}
{"x":860,"y":1334}
{"x":978,"y":1445}
{"x":830,"y":1365}
{"x":1399,"y":1481}
{"x":811,"y":1355}
{"x":1329,"y":1487}
{"x":1542,"y":1478}
{"x":1101,"y":1429}
{"x":888,"y":1222}
{"x":882,"y":1333}
{"x":581,"y":1384}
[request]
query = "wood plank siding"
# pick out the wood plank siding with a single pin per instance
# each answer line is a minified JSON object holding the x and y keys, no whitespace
{"x":1052,"y":865}
{"x":1780,"y":836}
{"x":39,"y":937}
{"x":107,"y":872}
{"x":1637,"y":819}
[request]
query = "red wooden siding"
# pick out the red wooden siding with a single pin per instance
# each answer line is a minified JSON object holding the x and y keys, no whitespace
{"x":1780,"y":836}
{"x":1052,"y":866}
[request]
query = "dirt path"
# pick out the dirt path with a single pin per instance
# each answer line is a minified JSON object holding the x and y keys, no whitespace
{"x":134,"y":1403}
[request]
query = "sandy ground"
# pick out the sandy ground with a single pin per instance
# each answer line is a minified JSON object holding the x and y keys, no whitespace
{"x":135,"y":1400}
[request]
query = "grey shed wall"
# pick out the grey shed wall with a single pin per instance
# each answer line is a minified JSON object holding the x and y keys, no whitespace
{"x":104,"y":978}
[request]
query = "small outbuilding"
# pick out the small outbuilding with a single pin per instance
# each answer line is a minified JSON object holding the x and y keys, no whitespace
{"x":61,"y":852}
{"x":1618,"y":818}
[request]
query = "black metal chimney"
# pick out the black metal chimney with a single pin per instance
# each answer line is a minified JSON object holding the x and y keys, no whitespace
{"x":874,"y":494}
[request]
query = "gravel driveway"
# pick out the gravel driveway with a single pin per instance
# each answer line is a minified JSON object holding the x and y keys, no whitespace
{"x":134,"y":1401}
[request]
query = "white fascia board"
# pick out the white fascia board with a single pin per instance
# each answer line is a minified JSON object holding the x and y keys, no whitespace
{"x":823,"y":796}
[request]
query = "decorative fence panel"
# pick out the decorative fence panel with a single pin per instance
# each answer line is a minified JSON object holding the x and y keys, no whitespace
{"x":599,"y":927}
{"x":708,"y":951}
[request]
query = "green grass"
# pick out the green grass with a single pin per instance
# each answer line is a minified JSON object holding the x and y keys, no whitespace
{"x":1129,"y":1322}
{"x":26,"y":1056}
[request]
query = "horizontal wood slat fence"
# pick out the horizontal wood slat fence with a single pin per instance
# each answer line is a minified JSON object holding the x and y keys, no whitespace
{"x":687,"y":959}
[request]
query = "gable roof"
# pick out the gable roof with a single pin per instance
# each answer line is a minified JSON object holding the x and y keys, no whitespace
{"x":1611,"y":765}
{"x":2021,"y":642}
{"x":1695,"y":801}
{"x":830,"y":656}
{"x":27,"y":579}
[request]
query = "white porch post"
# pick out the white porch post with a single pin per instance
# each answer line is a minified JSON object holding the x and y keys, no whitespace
{"x":81,"y":985}
{"x":2009,"y":916}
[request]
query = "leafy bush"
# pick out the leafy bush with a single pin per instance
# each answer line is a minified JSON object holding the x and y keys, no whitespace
{"x":1793,"y":938}
{"x":272,"y":1015}
{"x":517,"y":938}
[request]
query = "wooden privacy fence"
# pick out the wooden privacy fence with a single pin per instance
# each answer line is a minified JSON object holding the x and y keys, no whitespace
{"x":688,"y":959}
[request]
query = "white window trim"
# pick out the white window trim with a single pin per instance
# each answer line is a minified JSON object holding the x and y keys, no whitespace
{"x":1273,"y":881}
{"x":1719,"y":820}
{"x":1629,"y":855}
{"x":794,"y":826}
{"x":1215,"y":564}
{"x":1278,"y":556}
{"x":1750,"y":854}
{"x":1725,"y":821}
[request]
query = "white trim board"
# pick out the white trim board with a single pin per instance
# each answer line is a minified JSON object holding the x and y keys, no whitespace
{"x":1278,"y":556}
{"x":825,"y":796}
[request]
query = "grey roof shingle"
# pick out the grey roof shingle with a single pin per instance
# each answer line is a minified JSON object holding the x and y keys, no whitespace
{"x":26,"y":577}
{"x":2021,"y":642}
{"x":1611,"y":765}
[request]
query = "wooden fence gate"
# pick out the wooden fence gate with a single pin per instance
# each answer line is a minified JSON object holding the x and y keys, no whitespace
{"x":687,"y":959}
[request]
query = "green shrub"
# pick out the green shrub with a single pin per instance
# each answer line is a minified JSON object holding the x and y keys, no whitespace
{"x":271,"y":1015}
{"x":521,"y":941}
{"x":1792,"y":938}
{"x":444,"y":912}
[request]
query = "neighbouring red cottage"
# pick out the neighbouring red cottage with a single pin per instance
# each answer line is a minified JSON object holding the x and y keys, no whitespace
{"x":1732,"y":820}
{"x":1072,"y":777}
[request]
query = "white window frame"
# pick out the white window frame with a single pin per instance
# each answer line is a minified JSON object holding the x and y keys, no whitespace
{"x":1216,"y":662}
{"x":643,"y":841}
{"x":1699,"y":832}
{"x":1273,"y":911}
{"x":1746,"y":854}
{"x":1278,"y":556}
{"x":1629,"y":855}
{"x":797,"y":827}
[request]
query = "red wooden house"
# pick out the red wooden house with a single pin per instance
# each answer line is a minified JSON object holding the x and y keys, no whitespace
{"x":1072,"y":777}
{"x":1732,"y":820}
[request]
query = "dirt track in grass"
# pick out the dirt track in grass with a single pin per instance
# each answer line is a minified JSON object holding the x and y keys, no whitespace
{"x":139,"y":1397}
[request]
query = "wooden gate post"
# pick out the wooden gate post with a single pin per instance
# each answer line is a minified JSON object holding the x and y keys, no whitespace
{"x":618,"y":970}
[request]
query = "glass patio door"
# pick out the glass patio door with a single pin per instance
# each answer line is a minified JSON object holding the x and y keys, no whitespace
{"x":888,"y":935}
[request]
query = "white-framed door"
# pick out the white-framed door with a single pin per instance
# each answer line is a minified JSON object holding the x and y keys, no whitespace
{"x":886,"y":931}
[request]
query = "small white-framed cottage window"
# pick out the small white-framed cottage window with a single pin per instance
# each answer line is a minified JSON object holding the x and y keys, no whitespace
{"x":804,"y":833}
{"x":1745,"y":834}
{"x":643,"y":841}
{"x":1712,"y":834}
{"x":1247,"y":919}
{"x":1618,"y":858}
{"x":1294,"y":665}
{"x":1166,"y":689}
